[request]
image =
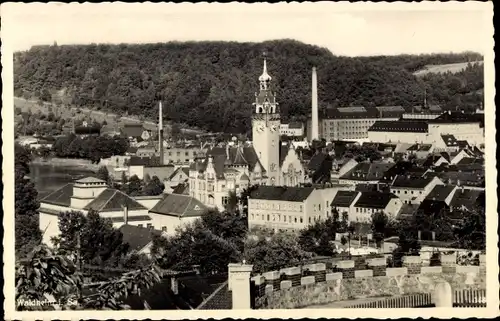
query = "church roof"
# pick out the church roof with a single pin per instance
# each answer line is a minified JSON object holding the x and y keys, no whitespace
{"x":238,"y":156}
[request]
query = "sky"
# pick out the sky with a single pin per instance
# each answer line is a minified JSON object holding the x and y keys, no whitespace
{"x":346,"y":29}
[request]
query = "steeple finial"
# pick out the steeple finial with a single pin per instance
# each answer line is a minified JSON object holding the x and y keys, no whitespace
{"x":264,"y":78}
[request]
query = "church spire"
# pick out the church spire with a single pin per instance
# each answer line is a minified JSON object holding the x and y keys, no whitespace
{"x":264,"y":79}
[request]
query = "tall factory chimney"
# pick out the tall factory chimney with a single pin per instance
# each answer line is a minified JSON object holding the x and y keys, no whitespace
{"x":160,"y":134}
{"x":314,"y":106}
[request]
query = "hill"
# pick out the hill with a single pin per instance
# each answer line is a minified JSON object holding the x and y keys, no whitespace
{"x":211,"y":85}
{"x":453,"y":68}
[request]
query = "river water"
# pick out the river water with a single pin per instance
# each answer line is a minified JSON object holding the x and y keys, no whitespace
{"x":48,"y":178}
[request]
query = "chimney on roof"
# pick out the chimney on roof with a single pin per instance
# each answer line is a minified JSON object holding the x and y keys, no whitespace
{"x":314,"y":106}
{"x":125,"y":214}
{"x":160,"y":133}
{"x":239,"y":284}
{"x":227,"y":151}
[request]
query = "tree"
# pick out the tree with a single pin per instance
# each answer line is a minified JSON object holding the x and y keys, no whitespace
{"x":408,"y":243}
{"x":27,"y":230}
{"x":100,"y":242}
{"x":124,"y":179}
{"x":229,"y":226}
{"x":243,"y":198}
{"x":154,"y":187}
{"x":44,"y":275}
{"x":232,"y":202}
{"x":378,"y":226}
{"x":103,"y":174}
{"x":195,"y":245}
{"x":204,"y":87}
{"x":471,"y":231}
{"x":344,"y":223}
{"x":318,"y":237}
{"x":275,"y":252}
{"x":175,"y":131}
{"x":134,"y":186}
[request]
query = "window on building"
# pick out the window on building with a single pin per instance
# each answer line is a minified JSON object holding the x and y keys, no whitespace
{"x":139,"y":225}
{"x":163,"y":228}
{"x":406,"y":192}
{"x":295,"y":220}
{"x":268,"y":217}
{"x":309,"y":220}
{"x":319,"y":207}
{"x":150,"y":226}
{"x":301,"y":220}
{"x":300,"y":208}
{"x":284,"y":218}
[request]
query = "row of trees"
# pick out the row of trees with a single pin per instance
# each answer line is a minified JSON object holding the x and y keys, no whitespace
{"x":93,"y":148}
{"x":133,"y":186}
{"x":211,"y":84}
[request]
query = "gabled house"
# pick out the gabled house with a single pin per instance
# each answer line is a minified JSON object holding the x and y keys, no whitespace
{"x":343,"y":202}
{"x":466,"y":199}
{"x":282,"y":208}
{"x":420,"y":150}
{"x":413,"y":190}
{"x":135,"y":132}
{"x":319,"y":167}
{"x":369,"y":203}
{"x":442,"y":193}
{"x":468,"y":179}
{"x":174,"y":211}
{"x":366,"y":173}
{"x":139,"y":239}
{"x":178,"y":177}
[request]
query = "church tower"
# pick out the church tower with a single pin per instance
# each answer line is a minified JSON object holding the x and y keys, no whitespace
{"x":266,"y":128}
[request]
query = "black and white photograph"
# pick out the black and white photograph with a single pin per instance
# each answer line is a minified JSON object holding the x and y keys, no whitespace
{"x":205,"y":157}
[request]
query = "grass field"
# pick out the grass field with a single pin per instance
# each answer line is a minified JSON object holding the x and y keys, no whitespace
{"x":68,"y":113}
{"x":453,"y":68}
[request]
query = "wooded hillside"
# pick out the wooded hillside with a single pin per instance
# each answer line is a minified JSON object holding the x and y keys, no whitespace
{"x":212,"y":84}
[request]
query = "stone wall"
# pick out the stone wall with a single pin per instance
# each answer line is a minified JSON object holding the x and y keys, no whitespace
{"x":314,"y":284}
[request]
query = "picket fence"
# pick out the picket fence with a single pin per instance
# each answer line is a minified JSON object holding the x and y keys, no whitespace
{"x":469,"y":298}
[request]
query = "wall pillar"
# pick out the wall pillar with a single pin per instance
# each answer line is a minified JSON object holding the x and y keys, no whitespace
{"x":239,"y":284}
{"x":449,"y":263}
{"x":443,"y":296}
{"x":413,"y":264}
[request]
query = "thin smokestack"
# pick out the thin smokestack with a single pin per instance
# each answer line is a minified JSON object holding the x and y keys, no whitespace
{"x":314,"y":106}
{"x":160,"y":133}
